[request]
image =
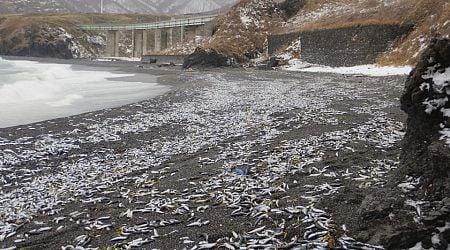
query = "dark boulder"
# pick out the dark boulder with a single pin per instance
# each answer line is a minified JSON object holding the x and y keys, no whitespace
{"x":274,"y":62}
{"x":291,"y":7}
{"x":207,"y":58}
{"x":426,"y":101}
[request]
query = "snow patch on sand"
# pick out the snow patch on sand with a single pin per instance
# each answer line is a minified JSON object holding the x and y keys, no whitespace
{"x":369,"y":70}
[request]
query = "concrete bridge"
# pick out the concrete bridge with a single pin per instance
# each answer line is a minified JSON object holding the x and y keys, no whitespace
{"x":153,"y":37}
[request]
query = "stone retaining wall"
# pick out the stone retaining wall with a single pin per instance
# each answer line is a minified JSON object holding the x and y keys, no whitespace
{"x":342,"y":47}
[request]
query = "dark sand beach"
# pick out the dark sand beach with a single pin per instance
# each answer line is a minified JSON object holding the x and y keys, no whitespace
{"x":227,"y":158}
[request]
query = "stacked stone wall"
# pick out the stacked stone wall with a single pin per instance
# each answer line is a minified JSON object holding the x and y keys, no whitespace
{"x":342,"y":47}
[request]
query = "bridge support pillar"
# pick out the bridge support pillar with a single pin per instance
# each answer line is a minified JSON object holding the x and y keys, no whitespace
{"x":158,"y":38}
{"x":138,"y":36}
{"x":112,"y":43}
{"x":170,"y":38}
{"x":181,"y":33}
{"x":132,"y":41}
{"x":144,"y":42}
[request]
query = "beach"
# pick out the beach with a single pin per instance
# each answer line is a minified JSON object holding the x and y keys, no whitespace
{"x":226,"y":158}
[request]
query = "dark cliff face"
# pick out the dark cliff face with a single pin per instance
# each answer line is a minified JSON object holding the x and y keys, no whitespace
{"x":291,"y":7}
{"x":425,"y":100}
{"x":40,"y":40}
{"x":36,"y":48}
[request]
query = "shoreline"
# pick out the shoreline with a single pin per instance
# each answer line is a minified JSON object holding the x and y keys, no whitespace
{"x":161,"y":173}
{"x":164,"y":78}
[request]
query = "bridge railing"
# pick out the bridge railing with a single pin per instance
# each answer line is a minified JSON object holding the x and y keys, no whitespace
{"x":196,"y":21}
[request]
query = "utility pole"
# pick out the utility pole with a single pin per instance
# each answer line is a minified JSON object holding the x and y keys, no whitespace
{"x":101,"y":6}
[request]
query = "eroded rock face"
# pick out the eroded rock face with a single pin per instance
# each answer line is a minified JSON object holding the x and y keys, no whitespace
{"x":42,"y":41}
{"x":206,"y":57}
{"x":426,"y":146}
{"x":399,"y":218}
{"x":291,"y":7}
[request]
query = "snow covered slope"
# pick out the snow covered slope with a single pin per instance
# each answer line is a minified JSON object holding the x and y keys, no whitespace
{"x":114,"y":6}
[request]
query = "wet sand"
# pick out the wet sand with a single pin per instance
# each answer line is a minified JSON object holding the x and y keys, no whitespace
{"x":164,"y":173}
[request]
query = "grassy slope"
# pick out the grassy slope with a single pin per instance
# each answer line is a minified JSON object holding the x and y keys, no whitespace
{"x":245,"y":41}
{"x":429,"y":16}
{"x":69,"y":21}
{"x":329,"y":14}
{"x":432,"y":20}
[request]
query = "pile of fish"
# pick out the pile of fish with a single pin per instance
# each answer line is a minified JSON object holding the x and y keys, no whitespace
{"x":249,"y":141}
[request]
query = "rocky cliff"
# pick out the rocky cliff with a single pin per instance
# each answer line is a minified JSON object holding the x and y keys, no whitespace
{"x":426,"y":147}
{"x":30,"y":36}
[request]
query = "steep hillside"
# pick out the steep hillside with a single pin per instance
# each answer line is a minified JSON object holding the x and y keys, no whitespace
{"x":241,"y":33}
{"x":430,"y":18}
{"x":113,"y":6}
{"x":242,"y":37}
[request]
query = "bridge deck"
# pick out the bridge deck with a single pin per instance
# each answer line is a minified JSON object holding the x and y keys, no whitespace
{"x":196,"y":21}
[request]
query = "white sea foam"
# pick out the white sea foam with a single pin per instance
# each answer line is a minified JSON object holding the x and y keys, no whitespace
{"x":32,"y":91}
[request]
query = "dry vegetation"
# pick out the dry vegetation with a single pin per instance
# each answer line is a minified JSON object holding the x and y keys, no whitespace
{"x":242,"y":32}
{"x":70,"y":21}
{"x":430,"y":17}
{"x":327,"y":25}
{"x":330,"y":14}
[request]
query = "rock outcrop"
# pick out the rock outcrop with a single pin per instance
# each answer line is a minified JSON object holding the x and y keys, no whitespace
{"x":426,"y":149}
{"x":46,"y":40}
{"x":419,"y":214}
{"x":291,"y":7}
{"x":413,"y":208}
{"x":207,"y":57}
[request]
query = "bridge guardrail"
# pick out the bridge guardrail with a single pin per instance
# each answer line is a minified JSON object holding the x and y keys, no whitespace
{"x":149,"y":26}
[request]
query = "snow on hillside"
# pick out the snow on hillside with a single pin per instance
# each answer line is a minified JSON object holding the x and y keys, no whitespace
{"x":115,"y":6}
{"x":242,"y":32}
{"x":432,"y":20}
{"x":196,"y":6}
{"x":430,"y":17}
{"x":332,"y":10}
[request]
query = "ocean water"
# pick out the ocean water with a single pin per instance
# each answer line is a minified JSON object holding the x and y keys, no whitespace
{"x":32,"y":91}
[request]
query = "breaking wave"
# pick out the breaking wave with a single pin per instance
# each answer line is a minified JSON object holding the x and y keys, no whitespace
{"x":57,"y":90}
{"x":31,"y":81}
